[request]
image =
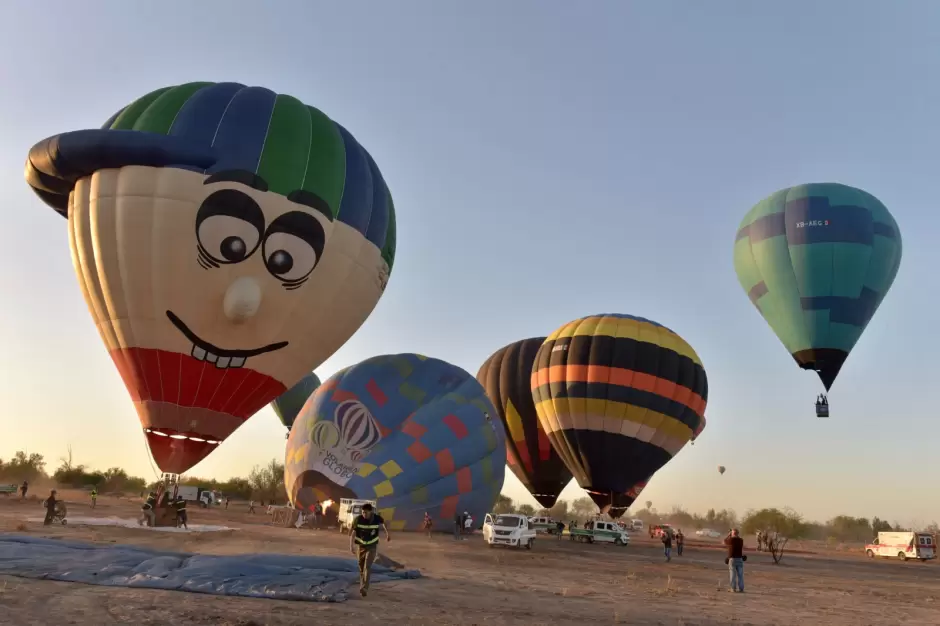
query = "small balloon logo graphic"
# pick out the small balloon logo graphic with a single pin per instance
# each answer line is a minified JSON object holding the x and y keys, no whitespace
{"x":357,"y":428}
{"x":325,"y":435}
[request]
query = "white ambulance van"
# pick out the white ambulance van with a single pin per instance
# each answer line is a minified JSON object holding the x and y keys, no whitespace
{"x":903,"y":545}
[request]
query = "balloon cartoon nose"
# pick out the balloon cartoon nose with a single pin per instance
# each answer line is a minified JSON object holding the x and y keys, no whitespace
{"x":242,"y":300}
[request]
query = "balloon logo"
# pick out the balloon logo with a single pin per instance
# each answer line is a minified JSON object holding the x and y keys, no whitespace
{"x":325,"y":435}
{"x":227,"y":239}
{"x":357,"y":427}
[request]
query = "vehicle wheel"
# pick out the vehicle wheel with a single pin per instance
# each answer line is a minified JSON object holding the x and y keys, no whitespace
{"x":528,"y":545}
{"x":902,"y":556}
{"x":618,"y":542}
{"x":870,"y":554}
{"x":590,"y":539}
{"x":65,"y":522}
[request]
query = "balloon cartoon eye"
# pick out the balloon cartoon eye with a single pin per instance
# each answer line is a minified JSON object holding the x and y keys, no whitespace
{"x":292,"y":247}
{"x":229,"y":225}
{"x":355,"y":456}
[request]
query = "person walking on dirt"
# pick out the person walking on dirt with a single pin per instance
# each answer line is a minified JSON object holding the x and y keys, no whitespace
{"x":427,"y":524}
{"x":458,"y":525}
{"x":680,"y":542}
{"x":226,"y":503}
{"x":365,"y":533}
{"x":23,"y":489}
{"x":735,"y":560}
{"x":251,"y":506}
{"x":560,"y":529}
{"x":181,"y":517}
{"x":50,"y":508}
{"x":667,"y":545}
{"x":760,"y":539}
{"x":146,"y":511}
{"x":94,"y":497}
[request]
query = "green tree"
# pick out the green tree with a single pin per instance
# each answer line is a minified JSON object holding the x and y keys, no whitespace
{"x":24,"y":467}
{"x":787,"y":522}
{"x":583,"y":508}
{"x":559,"y":511}
{"x":504,"y":504}
{"x":879,"y":526}
{"x":525,"y":509}
{"x":267,"y":482}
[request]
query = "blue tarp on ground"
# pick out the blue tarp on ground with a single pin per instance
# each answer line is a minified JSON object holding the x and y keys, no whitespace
{"x":275,"y":576}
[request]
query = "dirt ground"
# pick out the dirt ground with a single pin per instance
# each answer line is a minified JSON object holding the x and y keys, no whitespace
{"x":467,"y":583}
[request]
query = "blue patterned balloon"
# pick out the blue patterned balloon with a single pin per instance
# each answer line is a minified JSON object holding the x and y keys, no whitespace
{"x":414,"y":433}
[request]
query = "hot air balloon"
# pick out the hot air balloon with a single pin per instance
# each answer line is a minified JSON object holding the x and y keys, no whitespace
{"x":287,"y":405}
{"x":414,"y":433}
{"x":619,"y":396}
{"x":506,"y":376}
{"x":721,"y":469}
{"x":817,"y":260}
{"x":227,"y":240}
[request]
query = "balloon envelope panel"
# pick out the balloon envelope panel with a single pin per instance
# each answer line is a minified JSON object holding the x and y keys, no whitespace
{"x":506,"y":376}
{"x":227,"y":240}
{"x":414,"y":433}
{"x":287,"y":405}
{"x":619,"y":396}
{"x":817,"y":260}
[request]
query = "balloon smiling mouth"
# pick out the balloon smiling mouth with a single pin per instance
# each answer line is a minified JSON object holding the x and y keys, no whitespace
{"x":204,"y":351}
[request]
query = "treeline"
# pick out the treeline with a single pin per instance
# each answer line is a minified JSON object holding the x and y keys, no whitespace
{"x":262,"y":483}
{"x":787,"y":522}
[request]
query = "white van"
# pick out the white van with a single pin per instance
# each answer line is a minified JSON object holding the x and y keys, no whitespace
{"x":636,"y":525}
{"x":903,"y":545}
{"x":508,"y":530}
{"x":543,"y":525}
{"x":349,"y":509}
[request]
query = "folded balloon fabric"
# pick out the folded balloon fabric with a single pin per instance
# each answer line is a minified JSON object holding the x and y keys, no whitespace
{"x":275,"y":576}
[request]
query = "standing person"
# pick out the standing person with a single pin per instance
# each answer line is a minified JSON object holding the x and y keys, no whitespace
{"x":680,"y":542}
{"x":146,"y":510}
{"x":365,"y":532}
{"x":181,"y":517}
{"x":317,"y":513}
{"x":667,"y":544}
{"x":23,"y":489}
{"x":50,"y":508}
{"x":427,"y":524}
{"x":560,"y":528}
{"x":226,"y":502}
{"x":251,"y":506}
{"x":735,"y":560}
{"x":94,"y":496}
{"x":760,"y":539}
{"x":458,"y":525}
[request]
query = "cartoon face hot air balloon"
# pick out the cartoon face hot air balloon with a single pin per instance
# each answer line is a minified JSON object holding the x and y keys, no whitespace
{"x":412,"y":432}
{"x":619,"y":396}
{"x":506,"y":376}
{"x":721,"y":469}
{"x":227,"y":240}
{"x":817,"y":260}
{"x":287,"y":405}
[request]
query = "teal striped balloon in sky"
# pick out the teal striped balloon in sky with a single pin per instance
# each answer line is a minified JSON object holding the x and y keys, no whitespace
{"x":817,"y":260}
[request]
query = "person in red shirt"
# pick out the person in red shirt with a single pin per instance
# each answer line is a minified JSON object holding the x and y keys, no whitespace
{"x":735,"y":560}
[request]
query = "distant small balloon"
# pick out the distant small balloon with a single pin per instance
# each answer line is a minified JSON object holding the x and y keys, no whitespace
{"x":721,"y":469}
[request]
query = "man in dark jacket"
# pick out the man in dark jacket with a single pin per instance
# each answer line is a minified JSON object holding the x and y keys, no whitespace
{"x":181,"y":517}
{"x":50,"y":508}
{"x":365,"y":533}
{"x":735,"y":560}
{"x":667,"y":544}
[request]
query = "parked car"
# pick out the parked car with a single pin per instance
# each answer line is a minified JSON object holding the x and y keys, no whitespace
{"x":708,"y":532}
{"x":508,"y":530}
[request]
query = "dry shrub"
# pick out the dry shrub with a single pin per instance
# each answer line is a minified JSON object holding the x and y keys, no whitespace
{"x":21,"y":527}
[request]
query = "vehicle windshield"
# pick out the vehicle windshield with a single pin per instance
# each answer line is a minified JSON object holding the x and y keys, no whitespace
{"x":508,"y":520}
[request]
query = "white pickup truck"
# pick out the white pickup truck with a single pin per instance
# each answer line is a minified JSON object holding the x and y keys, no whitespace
{"x":508,"y":530}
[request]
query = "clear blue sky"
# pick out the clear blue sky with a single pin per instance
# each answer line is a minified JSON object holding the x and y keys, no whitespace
{"x":547,"y":162}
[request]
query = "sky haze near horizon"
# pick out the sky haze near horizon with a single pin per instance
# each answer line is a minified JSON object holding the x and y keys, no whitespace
{"x":546,"y":163}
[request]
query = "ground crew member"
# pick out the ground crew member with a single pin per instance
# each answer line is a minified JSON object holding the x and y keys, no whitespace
{"x":146,"y":511}
{"x":23,"y":489}
{"x":50,"y":508}
{"x":365,"y":532}
{"x":94,"y":497}
{"x":180,"y":505}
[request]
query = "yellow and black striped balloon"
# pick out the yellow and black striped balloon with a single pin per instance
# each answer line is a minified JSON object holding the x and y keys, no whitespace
{"x":618,"y":396}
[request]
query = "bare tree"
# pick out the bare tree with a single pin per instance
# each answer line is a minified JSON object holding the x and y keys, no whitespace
{"x":776,"y":545}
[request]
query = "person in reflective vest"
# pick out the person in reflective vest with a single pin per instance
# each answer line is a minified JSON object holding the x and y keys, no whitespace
{"x":180,"y":505}
{"x":365,"y":533}
{"x":94,"y":497}
{"x":146,"y":511}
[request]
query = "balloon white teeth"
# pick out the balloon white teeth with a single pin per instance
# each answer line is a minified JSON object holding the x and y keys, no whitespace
{"x":221,"y":362}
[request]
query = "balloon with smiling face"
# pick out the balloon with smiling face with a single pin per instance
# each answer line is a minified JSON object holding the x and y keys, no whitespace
{"x":227,"y":240}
